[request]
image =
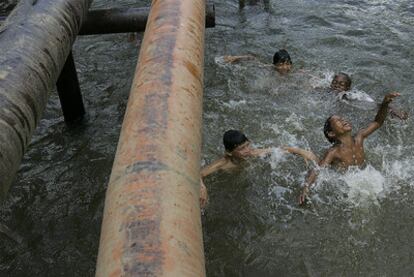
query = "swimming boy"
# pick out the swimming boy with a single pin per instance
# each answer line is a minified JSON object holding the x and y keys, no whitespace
{"x":348,"y":150}
{"x":341,"y":82}
{"x":281,"y":60}
{"x":237,"y":150}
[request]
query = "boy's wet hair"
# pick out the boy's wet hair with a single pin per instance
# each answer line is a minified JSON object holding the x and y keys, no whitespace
{"x":281,"y":56}
{"x":347,"y":78}
{"x":232,"y":139}
{"x":328,"y":128}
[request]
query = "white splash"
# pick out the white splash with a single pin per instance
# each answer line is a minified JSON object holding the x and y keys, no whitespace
{"x":295,"y":121}
{"x":234,"y":104}
{"x":400,"y":170}
{"x":357,"y":95}
{"x":277,"y":156}
{"x":288,"y":138}
{"x":220,"y":61}
{"x":364,"y":185}
{"x":322,"y":80}
{"x":279,"y":191}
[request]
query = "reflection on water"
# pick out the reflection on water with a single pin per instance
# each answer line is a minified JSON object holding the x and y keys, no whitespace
{"x":359,"y":224}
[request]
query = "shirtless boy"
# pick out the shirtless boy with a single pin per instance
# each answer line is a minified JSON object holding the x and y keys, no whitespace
{"x":238,"y":150}
{"x":348,"y":150}
{"x":342,"y":83}
{"x":281,"y":61}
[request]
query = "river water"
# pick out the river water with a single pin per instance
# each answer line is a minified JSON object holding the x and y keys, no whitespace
{"x":359,"y":223}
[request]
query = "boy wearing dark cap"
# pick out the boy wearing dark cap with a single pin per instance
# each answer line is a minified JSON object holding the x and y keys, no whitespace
{"x":237,"y":150}
{"x":281,"y":60}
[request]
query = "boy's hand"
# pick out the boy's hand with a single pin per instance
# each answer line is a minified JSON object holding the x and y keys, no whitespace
{"x":399,"y":114}
{"x":230,"y":59}
{"x":303,"y":197}
{"x":203,"y":195}
{"x":390,"y":96}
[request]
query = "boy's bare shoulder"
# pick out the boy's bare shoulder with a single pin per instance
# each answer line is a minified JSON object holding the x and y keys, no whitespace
{"x":330,"y":155}
{"x":220,"y":164}
{"x":333,"y":151}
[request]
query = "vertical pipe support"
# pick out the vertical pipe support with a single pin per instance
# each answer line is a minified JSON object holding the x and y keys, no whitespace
{"x":151,"y":224}
{"x":69,"y":91}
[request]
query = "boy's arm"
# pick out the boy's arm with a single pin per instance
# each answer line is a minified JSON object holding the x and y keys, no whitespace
{"x":213,"y":167}
{"x":307,"y":155}
{"x":397,"y":113}
{"x":207,"y":170}
{"x":203,"y":194}
{"x":379,"y":118}
{"x":258,"y":152}
{"x":311,"y":178}
{"x":233,"y":59}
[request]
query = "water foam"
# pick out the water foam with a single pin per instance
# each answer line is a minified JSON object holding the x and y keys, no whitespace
{"x":277,"y":156}
{"x":220,"y":61}
{"x":401,"y":170}
{"x":323,"y":79}
{"x":363,"y":187}
{"x":234,"y":104}
{"x":357,"y":95}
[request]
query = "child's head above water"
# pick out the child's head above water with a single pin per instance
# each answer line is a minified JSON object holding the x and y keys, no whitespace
{"x":236,"y":144}
{"x":232,"y":139}
{"x":341,"y":82}
{"x":282,"y":61}
{"x":334,"y":127}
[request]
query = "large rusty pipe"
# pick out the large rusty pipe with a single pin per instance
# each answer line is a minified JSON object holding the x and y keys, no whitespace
{"x":35,"y":41}
{"x":151,"y":224}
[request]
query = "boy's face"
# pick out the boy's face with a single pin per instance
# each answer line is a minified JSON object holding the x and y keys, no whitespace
{"x":339,"y":125}
{"x":242,"y":151}
{"x":283,"y":67}
{"x":340,"y":83}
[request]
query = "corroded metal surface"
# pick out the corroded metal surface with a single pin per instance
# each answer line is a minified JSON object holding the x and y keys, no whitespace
{"x":34,"y":40}
{"x":108,"y":21}
{"x":151,"y":224}
{"x":124,"y":20}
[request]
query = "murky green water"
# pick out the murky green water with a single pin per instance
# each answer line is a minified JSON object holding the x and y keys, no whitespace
{"x":360,"y":223}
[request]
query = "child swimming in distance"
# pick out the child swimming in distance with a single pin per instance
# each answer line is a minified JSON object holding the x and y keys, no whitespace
{"x":347,"y":150}
{"x":238,"y":149}
{"x":341,"y":83}
{"x":282,"y":62}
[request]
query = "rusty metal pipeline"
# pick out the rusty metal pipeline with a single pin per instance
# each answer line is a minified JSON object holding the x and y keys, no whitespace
{"x":35,"y":41}
{"x":151,"y":224}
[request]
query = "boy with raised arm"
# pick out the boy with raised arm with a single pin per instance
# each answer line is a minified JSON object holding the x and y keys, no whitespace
{"x":341,"y":83}
{"x":348,"y":150}
{"x":237,"y":151}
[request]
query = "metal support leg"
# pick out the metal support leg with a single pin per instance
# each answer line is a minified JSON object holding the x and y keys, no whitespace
{"x":69,"y":92}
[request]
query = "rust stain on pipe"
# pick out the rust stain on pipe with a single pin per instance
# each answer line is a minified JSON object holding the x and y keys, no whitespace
{"x":151,"y":224}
